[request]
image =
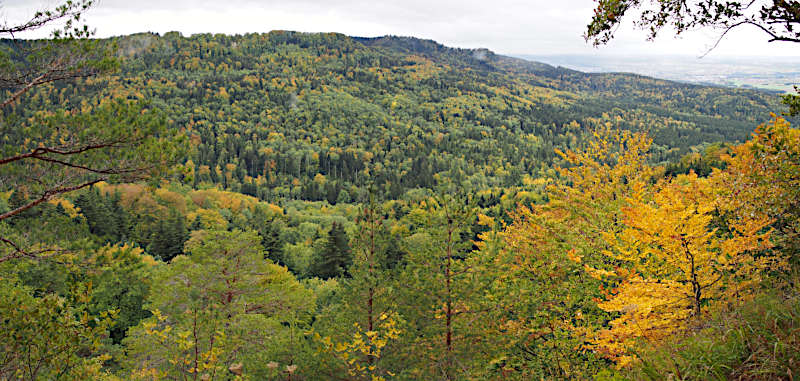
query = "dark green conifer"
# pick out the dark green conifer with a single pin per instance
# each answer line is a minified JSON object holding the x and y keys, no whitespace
{"x":169,"y":236}
{"x":335,"y":257}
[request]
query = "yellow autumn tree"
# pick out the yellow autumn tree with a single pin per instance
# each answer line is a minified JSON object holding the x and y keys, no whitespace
{"x":542,"y":300}
{"x":676,"y":263}
{"x":762,"y":178}
{"x":588,"y":200}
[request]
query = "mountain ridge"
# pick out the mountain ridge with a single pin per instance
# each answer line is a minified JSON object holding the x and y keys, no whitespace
{"x":315,"y":115}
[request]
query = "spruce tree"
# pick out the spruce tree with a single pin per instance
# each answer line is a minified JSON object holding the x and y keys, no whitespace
{"x":169,"y":236}
{"x":335,"y":258}
{"x":272,"y":242}
{"x":122,"y":219}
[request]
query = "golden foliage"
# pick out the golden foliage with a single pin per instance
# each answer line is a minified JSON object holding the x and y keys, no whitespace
{"x":360,"y":353}
{"x":676,"y":264}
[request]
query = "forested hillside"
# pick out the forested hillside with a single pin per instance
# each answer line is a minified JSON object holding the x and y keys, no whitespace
{"x":291,"y":206}
{"x":320,"y":116}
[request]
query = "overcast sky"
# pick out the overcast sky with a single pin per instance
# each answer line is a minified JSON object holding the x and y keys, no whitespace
{"x":534,"y":27}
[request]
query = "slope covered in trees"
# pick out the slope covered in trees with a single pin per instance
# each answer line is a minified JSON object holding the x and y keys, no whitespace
{"x":616,"y":270}
{"x":320,"y":116}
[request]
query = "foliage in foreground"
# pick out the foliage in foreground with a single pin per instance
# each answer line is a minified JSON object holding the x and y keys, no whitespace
{"x":589,"y":279}
{"x":757,"y":340}
{"x":47,"y":337}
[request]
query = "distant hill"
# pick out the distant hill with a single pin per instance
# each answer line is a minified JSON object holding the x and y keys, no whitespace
{"x":321,"y":116}
{"x":777,"y":74}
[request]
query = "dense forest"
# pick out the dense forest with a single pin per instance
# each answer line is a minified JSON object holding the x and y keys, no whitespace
{"x":290,"y":206}
{"x":320,"y":117}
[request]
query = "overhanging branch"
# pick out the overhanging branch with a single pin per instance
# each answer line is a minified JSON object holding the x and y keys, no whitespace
{"x":38,"y":153}
{"x":48,"y":195}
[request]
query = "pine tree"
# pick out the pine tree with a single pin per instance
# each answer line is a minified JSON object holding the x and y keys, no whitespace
{"x":364,"y":323}
{"x":439,"y":278}
{"x":225,"y":309}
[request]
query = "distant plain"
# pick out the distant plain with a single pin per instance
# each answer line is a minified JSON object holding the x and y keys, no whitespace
{"x":767,"y":73}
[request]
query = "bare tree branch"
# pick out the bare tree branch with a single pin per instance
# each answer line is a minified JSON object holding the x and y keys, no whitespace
{"x":728,"y":29}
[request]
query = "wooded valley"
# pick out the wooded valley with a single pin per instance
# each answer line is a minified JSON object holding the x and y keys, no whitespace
{"x":293,"y":206}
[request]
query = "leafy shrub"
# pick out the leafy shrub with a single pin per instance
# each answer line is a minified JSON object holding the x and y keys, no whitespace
{"x":760,"y":340}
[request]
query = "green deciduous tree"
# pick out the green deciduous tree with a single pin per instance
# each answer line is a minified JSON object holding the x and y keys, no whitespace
{"x":221,"y":308}
{"x":46,"y":338}
{"x":121,"y":284}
